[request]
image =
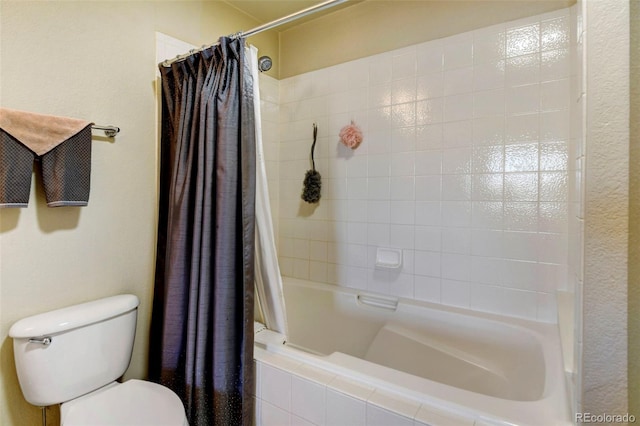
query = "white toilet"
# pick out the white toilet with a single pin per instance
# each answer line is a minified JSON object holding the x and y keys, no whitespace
{"x":73,"y":356}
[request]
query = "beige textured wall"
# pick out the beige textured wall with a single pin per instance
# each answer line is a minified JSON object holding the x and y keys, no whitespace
{"x":93,"y":60}
{"x":604,"y":369}
{"x":376,"y":26}
{"x":634,"y":214}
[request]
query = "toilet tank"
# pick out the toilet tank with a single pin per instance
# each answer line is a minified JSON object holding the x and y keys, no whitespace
{"x":63,"y":354}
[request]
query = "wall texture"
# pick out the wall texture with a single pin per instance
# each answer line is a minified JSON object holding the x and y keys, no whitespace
{"x":92,"y":60}
{"x":606,"y":238}
{"x":634,"y":211}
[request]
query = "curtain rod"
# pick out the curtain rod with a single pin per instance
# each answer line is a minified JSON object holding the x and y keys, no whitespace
{"x":269,"y":25}
{"x":296,"y":15}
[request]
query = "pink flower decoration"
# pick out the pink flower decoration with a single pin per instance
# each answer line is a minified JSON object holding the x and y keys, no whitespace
{"x":351,"y":135}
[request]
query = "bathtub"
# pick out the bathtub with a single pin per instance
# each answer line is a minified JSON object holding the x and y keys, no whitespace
{"x":482,"y":367}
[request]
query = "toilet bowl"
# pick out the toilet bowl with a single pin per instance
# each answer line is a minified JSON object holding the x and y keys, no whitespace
{"x":73,"y":357}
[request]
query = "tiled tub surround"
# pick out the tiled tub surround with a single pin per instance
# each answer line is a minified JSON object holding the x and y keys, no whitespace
{"x":464,"y":167}
{"x":347,"y":362}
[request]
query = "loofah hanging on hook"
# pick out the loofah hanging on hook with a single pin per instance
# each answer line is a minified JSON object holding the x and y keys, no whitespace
{"x":312,"y":182}
{"x":351,"y":135}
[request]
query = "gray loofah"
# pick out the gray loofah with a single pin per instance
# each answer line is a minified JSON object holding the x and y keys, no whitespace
{"x":312,"y":183}
{"x":312,"y":186}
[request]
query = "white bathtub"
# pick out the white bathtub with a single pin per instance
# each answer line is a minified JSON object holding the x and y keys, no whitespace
{"x":484,"y":367}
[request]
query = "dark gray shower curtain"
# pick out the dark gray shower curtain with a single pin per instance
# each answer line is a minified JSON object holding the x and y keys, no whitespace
{"x":201,"y":340}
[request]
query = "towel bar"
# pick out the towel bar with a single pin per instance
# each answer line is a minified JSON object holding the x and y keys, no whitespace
{"x":110,"y":131}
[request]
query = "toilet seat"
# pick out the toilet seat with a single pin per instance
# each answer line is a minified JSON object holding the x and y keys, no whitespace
{"x":132,"y":403}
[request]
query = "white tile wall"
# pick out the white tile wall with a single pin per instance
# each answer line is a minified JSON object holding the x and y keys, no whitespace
{"x":270,"y":113}
{"x":465,"y":166}
{"x":434,"y":188}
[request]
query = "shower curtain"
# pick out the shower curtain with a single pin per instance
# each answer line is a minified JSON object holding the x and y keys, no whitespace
{"x":201,"y":340}
{"x":267,"y":272}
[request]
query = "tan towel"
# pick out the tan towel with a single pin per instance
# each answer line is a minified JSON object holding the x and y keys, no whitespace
{"x":66,"y":167}
{"x":39,"y":132}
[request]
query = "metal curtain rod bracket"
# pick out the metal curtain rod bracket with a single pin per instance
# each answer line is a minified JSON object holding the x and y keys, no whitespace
{"x":110,"y":131}
{"x":269,"y":25}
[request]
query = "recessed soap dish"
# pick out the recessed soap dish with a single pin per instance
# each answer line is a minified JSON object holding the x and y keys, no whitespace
{"x":388,"y":258}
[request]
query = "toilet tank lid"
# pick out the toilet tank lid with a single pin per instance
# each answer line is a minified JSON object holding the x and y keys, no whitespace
{"x":60,"y":320}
